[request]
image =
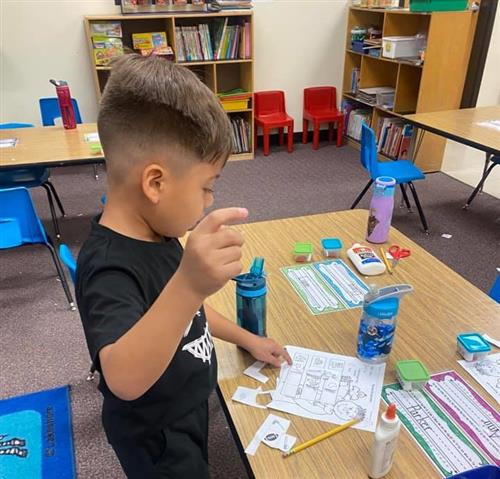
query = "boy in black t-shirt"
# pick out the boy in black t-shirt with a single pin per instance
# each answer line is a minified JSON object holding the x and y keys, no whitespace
{"x":140,"y":296}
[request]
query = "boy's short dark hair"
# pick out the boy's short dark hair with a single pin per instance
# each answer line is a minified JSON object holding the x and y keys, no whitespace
{"x":151,"y":105}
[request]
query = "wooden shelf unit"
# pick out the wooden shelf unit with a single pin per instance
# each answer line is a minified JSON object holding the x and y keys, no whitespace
{"x":434,"y":86}
{"x":218,"y":75}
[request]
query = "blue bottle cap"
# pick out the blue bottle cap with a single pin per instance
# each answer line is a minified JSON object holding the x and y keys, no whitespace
{"x":253,"y":283}
{"x":383,"y":308}
{"x":385,"y":181}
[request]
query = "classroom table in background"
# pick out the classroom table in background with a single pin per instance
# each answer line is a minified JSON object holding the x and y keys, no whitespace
{"x":49,"y":146}
{"x":443,"y":305}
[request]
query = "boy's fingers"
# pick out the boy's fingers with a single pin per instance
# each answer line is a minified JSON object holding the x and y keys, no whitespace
{"x":274,"y":361}
{"x":229,"y":255}
{"x":226,"y":237}
{"x":287,"y":357}
{"x":215,"y":219}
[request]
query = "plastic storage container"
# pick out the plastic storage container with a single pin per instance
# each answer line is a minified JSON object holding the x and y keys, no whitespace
{"x":378,"y":323}
{"x":302,"y":252}
{"x":411,"y":374}
{"x":332,"y":247}
{"x":400,"y":47}
{"x":251,"y":291}
{"x":437,"y":5}
{"x":472,"y":346}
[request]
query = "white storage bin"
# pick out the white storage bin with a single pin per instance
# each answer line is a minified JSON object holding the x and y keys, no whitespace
{"x":399,"y":47}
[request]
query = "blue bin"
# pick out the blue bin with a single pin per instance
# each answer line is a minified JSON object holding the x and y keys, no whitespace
{"x":483,"y":472}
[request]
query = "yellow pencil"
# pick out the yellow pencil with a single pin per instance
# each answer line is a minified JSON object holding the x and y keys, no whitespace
{"x":325,"y":435}
{"x":386,"y":261}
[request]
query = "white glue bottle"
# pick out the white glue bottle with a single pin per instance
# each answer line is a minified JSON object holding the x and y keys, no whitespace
{"x":384,"y":445}
{"x":366,"y":260}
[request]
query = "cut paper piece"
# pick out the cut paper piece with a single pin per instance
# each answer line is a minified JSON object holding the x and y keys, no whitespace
{"x":91,"y":137}
{"x":446,"y":235}
{"x":254,"y":371}
{"x":491,"y":340}
{"x":248,"y":396}
{"x":8,"y":143}
{"x":272,"y":424}
{"x":283,"y":442}
{"x":329,"y":387}
{"x":486,"y":372}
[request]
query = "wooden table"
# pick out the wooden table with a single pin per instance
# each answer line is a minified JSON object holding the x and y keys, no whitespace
{"x":443,"y":305}
{"x":462,"y":126}
{"x":49,"y":146}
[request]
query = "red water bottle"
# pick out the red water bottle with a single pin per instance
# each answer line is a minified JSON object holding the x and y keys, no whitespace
{"x":65,"y":104}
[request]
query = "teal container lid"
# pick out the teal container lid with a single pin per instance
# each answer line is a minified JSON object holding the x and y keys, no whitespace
{"x":383,"y":308}
{"x":331,"y":243}
{"x":473,"y":343}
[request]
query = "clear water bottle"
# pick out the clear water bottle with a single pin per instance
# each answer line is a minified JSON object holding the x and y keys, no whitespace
{"x":378,"y":322}
{"x":381,"y":207}
{"x":251,"y":291}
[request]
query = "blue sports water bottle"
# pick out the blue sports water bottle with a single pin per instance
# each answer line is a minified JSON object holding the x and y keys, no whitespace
{"x":251,"y":290}
{"x":378,"y":322}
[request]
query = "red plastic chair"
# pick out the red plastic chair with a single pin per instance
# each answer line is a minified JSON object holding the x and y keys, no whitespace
{"x":320,"y":106}
{"x":270,"y":113}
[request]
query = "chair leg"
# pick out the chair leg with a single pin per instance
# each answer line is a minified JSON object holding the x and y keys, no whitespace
{"x":305,"y":130}
{"x":96,"y":172}
{"x":419,"y":207}
{"x":315,"y":135}
{"x":330,"y":132}
{"x":62,"y":276}
{"x":405,"y":197}
{"x":56,"y":196}
{"x":360,"y":196}
{"x":255,"y":135}
{"x":479,"y":186}
{"x":340,"y":132}
{"x":91,"y":375}
{"x":282,"y":136}
{"x":55,"y":223}
{"x":290,"y":137}
{"x":266,"y":141}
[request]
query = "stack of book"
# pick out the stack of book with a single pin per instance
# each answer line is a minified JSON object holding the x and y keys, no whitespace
{"x":218,"y":5}
{"x":231,"y":41}
{"x":380,"y":95}
{"x":237,"y":99}
{"x":193,"y":43}
{"x":356,"y":118}
{"x":394,"y":137}
{"x":240,"y":135}
{"x":153,"y":43}
{"x":107,"y":41}
{"x":354,"y":80}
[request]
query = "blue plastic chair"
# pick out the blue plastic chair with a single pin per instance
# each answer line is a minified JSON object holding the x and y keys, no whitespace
{"x":30,"y":178}
{"x":67,"y":258}
{"x":495,"y":289}
{"x":20,"y":225}
{"x":403,"y":171}
{"x":49,"y":109}
{"x":492,"y":161}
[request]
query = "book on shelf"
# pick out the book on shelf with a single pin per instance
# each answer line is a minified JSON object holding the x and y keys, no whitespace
{"x":354,"y":80}
{"x":381,"y":95}
{"x":237,"y":99}
{"x":218,"y":5}
{"x":106,"y":29}
{"x":356,"y":118}
{"x":152,"y":43}
{"x":393,"y":137}
{"x":240,"y":135}
{"x":106,"y":41}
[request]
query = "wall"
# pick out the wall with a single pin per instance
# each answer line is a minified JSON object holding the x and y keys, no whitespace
{"x":298,"y":43}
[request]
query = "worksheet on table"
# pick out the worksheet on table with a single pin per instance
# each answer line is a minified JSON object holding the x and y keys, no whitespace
{"x":486,"y":372}
{"x":326,"y":286}
{"x":329,"y":387}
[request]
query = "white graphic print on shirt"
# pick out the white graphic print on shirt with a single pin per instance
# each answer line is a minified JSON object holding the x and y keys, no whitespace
{"x":201,"y":348}
{"x":186,"y":332}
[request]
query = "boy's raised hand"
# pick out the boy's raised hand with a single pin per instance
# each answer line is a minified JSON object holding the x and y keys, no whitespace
{"x":213,"y":252}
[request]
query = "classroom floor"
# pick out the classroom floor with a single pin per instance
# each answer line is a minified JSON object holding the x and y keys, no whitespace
{"x":42,"y":341}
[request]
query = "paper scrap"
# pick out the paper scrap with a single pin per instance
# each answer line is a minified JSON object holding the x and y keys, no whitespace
{"x":446,"y":235}
{"x":272,"y":425}
{"x":8,"y":143}
{"x":490,"y":124}
{"x":486,"y":372}
{"x":283,"y":442}
{"x":329,"y":387}
{"x":248,"y":396}
{"x":491,"y":340}
{"x":91,"y":137}
{"x":254,"y":371}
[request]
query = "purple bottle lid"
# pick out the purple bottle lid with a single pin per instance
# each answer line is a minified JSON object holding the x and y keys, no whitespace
{"x":385,"y":181}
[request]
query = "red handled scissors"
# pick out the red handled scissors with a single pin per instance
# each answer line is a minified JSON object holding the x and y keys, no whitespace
{"x":398,"y":253}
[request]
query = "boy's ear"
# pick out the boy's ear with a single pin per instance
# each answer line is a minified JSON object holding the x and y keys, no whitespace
{"x":156,"y":179}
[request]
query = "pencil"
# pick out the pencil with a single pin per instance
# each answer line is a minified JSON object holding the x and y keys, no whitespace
{"x":386,"y":261}
{"x":325,"y":435}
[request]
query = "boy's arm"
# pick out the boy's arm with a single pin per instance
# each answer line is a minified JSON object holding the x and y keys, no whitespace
{"x":263,"y":349}
{"x":133,"y":363}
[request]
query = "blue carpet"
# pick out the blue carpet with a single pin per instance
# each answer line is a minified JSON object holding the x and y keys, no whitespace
{"x":36,"y":437}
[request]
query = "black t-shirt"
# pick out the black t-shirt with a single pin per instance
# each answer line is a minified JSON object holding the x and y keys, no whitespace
{"x":118,"y":279}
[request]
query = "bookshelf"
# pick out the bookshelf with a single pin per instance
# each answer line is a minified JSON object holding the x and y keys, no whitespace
{"x":220,"y":75}
{"x":435,"y":85}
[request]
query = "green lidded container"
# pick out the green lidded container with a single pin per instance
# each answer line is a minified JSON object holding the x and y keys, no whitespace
{"x":437,"y":5}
